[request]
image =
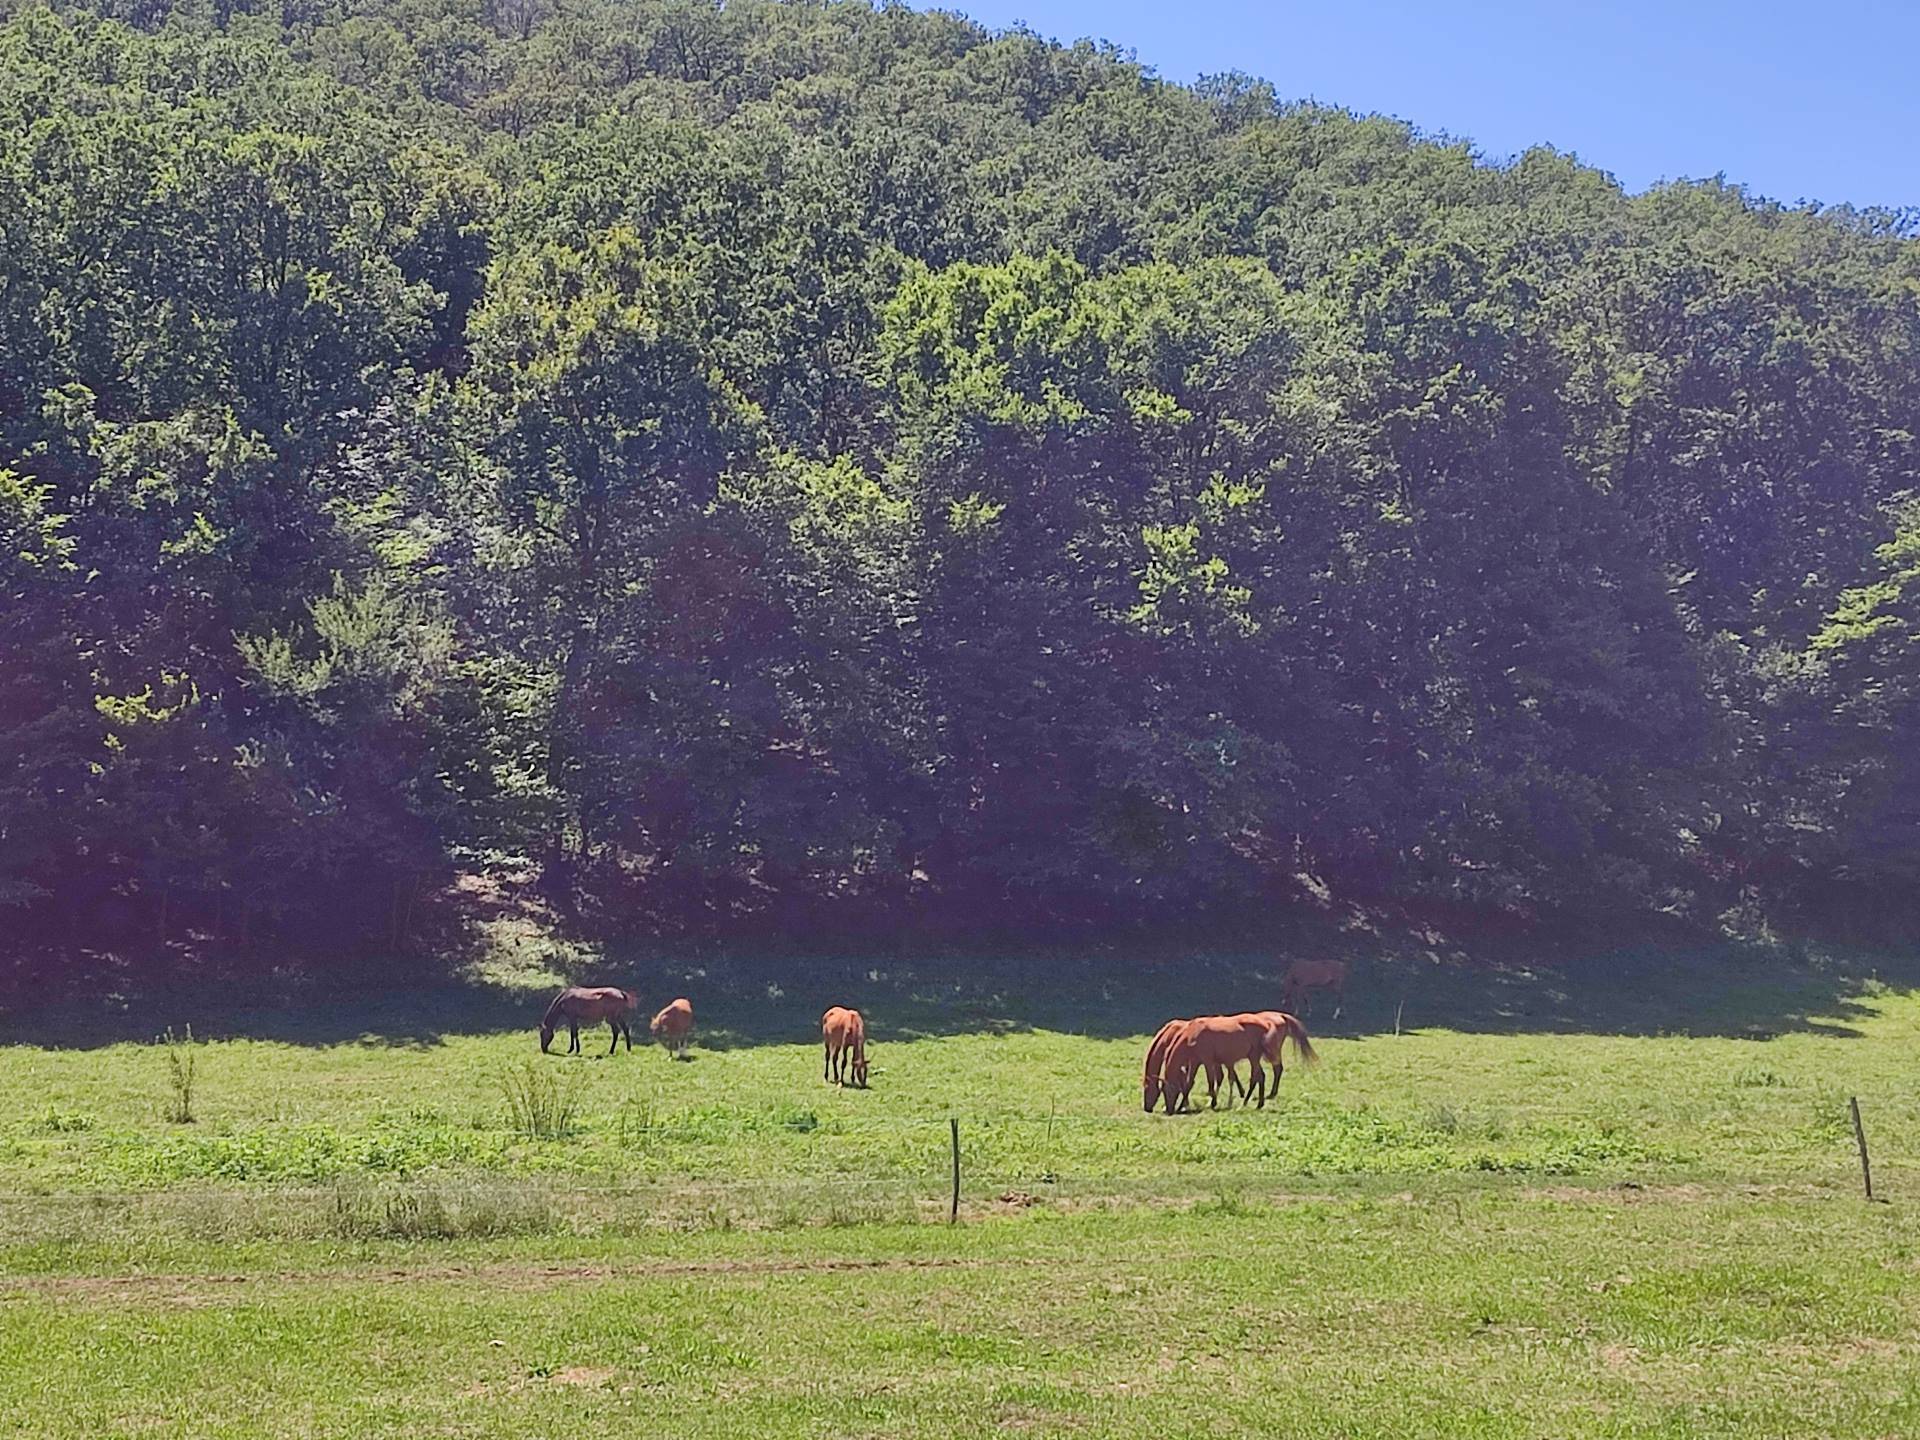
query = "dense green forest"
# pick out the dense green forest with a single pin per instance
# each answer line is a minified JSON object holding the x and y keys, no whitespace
{"x":837,"y":468}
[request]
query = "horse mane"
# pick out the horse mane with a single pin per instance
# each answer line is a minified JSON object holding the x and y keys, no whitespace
{"x":1157,"y":1051}
{"x":548,"y":1020}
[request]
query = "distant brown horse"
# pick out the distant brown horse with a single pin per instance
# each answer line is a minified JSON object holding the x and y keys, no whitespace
{"x":1303,"y":977}
{"x":578,"y":1005}
{"x":845,"y":1036}
{"x":673,"y":1027}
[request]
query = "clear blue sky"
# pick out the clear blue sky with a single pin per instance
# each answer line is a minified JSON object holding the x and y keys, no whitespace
{"x":1795,"y":100}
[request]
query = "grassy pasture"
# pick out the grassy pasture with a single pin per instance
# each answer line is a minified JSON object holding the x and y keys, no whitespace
{"x":1505,"y":1224}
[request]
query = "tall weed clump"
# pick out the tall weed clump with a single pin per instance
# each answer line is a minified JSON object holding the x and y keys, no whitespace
{"x":178,"y":1108}
{"x":541,"y":1105}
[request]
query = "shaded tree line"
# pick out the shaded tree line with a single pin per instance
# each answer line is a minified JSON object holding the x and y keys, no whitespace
{"x":825,"y":461}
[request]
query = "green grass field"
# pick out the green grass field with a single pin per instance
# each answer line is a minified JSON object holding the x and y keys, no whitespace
{"x":1504,"y":1221}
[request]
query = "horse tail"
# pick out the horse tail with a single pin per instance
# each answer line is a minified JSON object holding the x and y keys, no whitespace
{"x":1302,"y":1046}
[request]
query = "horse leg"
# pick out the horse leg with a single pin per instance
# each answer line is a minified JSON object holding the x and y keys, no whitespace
{"x":1259,"y":1081}
{"x":573,"y":1037}
{"x":613,"y":1035}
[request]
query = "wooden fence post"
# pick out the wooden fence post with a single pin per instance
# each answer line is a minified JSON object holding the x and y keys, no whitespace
{"x":1860,"y":1139}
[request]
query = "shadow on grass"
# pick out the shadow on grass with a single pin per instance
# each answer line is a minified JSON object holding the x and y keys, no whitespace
{"x":744,"y":1000}
{"x":1711,"y":990}
{"x":320,"y":1012}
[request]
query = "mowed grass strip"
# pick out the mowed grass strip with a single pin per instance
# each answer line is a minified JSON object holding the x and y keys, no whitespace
{"x":1499,"y":1313}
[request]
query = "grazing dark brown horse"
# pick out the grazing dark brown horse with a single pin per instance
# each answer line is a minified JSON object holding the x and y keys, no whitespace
{"x":1303,"y":977}
{"x":673,"y":1027}
{"x":845,"y":1035}
{"x":579,"y":1005}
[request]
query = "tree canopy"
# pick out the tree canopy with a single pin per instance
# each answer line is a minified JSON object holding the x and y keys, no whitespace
{"x":829,"y":460}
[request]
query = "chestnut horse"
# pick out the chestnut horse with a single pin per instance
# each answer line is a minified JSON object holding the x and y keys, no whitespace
{"x":1303,"y":977}
{"x":1219,"y":1042}
{"x":1156,"y":1064}
{"x":1153,"y":1077}
{"x":673,"y":1027}
{"x":845,"y":1035}
{"x":1215,"y":1043}
{"x":577,"y":1005}
{"x":1282,"y":1027}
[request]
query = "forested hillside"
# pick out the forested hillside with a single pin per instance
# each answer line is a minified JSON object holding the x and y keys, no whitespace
{"x":837,"y":464}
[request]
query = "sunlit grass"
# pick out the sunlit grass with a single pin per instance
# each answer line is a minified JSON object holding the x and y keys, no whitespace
{"x":1436,"y":1232}
{"x":1036,"y":1108}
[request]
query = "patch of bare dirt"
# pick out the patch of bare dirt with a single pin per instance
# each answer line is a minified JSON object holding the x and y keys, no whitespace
{"x":1022,"y":1418}
{"x":1627,"y":1192}
{"x":584,"y":1377}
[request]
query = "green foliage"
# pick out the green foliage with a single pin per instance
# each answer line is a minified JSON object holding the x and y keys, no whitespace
{"x":1881,"y":613}
{"x":832,"y":466}
{"x":30,"y":540}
